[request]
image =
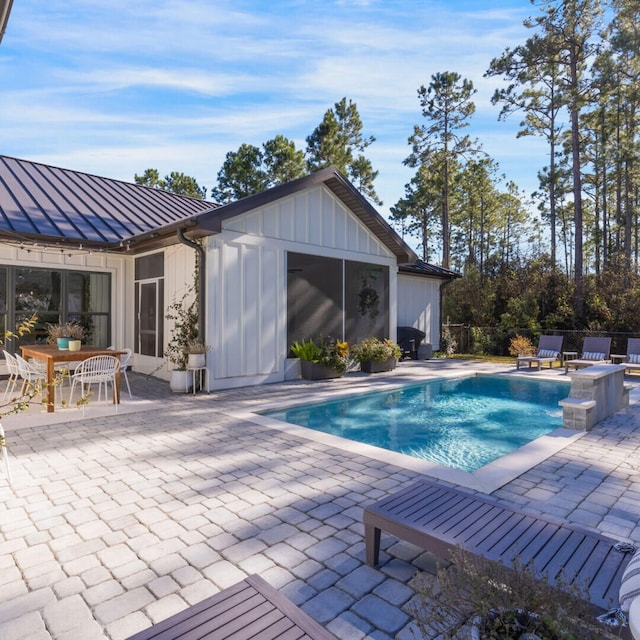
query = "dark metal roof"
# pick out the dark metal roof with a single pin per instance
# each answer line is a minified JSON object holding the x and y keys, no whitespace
{"x":5,"y":10}
{"x":38,"y":201}
{"x":421,"y":268}
{"x":343,"y":189}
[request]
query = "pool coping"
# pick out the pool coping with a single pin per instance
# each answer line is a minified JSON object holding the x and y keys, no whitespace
{"x":486,"y":479}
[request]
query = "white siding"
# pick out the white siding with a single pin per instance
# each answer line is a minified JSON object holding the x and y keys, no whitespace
{"x":419,"y":306}
{"x":315,"y":218}
{"x":121,"y":303}
{"x":246,"y":319}
{"x":246,"y":278}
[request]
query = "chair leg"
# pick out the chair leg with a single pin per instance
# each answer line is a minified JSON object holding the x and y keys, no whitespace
{"x":5,"y":457}
{"x":126,"y":379}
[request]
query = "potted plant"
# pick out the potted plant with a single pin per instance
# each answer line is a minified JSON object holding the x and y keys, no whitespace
{"x":197,"y":354}
{"x":61,"y":334}
{"x":184,"y":314}
{"x":483,"y":599}
{"x":376,"y":355}
{"x":322,"y":360}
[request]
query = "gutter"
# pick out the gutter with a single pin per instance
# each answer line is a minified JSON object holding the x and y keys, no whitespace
{"x":201,"y":281}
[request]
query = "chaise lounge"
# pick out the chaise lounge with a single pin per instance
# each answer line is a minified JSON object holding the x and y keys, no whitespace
{"x":594,"y":351}
{"x":439,"y":519}
{"x":549,"y":349}
{"x":632,"y":363}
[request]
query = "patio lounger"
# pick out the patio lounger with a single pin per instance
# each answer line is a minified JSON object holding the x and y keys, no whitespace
{"x":594,"y":351}
{"x":549,"y":348}
{"x":632,"y":363}
{"x":249,"y":610}
{"x":439,"y":519}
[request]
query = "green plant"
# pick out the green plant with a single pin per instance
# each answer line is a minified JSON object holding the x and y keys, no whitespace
{"x":504,"y":603}
{"x":448,"y":344}
{"x":521,"y":346}
{"x":305,"y":350}
{"x":71,"y":329}
{"x":184,"y":313}
{"x":376,"y":350}
{"x":330,"y":353}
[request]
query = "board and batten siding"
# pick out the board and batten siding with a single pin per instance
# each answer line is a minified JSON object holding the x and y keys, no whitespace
{"x":419,"y":306}
{"x":247,"y":280}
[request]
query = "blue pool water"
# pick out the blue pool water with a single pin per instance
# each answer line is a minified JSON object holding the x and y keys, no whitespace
{"x":462,"y":423}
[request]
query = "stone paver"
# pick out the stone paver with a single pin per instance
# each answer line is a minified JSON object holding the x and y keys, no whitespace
{"x":114,"y":522}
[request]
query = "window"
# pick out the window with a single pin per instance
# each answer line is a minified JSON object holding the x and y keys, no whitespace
{"x":332,"y":298}
{"x":58,"y":296}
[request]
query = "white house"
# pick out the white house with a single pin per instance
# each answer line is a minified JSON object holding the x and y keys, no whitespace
{"x":305,"y":259}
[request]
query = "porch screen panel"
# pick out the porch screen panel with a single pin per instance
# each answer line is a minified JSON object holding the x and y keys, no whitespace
{"x":366,"y":301}
{"x":314,"y":297}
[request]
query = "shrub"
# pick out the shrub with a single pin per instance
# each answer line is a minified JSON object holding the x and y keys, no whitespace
{"x":505,"y":603}
{"x":376,"y":350}
{"x":448,"y":344}
{"x":521,"y":346}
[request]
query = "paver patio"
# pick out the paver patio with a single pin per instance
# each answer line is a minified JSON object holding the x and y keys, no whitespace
{"x":115,"y":522}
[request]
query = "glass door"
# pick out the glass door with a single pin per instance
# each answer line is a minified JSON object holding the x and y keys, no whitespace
{"x":149,"y":319}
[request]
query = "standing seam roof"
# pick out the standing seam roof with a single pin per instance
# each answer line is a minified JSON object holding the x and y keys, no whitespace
{"x":37,"y":199}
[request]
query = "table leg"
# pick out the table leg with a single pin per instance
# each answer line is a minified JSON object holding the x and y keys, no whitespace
{"x":51,"y":389}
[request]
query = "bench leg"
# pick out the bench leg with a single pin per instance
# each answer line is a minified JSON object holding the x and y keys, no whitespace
{"x":372,"y":544}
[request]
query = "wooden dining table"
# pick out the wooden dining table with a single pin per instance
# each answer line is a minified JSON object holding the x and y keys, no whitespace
{"x":51,"y":355}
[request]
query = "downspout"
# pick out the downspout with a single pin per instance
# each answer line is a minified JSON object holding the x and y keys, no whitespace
{"x":201,"y":280}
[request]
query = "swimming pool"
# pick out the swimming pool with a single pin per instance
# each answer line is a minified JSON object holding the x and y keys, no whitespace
{"x":462,"y":423}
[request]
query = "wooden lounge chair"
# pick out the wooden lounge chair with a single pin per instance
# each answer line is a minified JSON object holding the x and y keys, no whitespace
{"x":594,"y":351}
{"x":549,"y":349}
{"x":439,"y":519}
{"x":632,"y":363}
{"x":249,"y":610}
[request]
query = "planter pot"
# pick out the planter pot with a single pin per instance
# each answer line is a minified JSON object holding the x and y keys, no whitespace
{"x":63,"y":343}
{"x":180,"y":381}
{"x":197,"y":360}
{"x":374,"y":366}
{"x":75,"y":345}
{"x":316,"y":371}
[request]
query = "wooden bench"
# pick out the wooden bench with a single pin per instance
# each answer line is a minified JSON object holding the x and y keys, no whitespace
{"x":249,"y":610}
{"x":438,"y":519}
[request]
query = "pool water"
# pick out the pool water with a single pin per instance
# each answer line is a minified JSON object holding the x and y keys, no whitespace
{"x":463,"y":423}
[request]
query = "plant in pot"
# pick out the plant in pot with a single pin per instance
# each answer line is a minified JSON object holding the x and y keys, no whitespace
{"x":184,"y":313}
{"x":61,"y":334}
{"x":483,"y":599}
{"x":375,"y":355}
{"x":197,"y":354}
{"x":321,"y":360}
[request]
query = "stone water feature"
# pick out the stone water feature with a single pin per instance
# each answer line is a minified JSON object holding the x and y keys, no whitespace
{"x":596,"y":393}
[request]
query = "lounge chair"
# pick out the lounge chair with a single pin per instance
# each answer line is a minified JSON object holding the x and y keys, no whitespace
{"x":439,"y":519}
{"x":594,"y":351}
{"x":632,"y":363}
{"x":249,"y":610}
{"x":549,"y":348}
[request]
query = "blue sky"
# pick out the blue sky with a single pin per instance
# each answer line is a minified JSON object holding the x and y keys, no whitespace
{"x":113,"y":87}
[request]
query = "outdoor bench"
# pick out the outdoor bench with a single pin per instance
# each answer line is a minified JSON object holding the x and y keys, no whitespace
{"x":249,"y":610}
{"x":439,"y":519}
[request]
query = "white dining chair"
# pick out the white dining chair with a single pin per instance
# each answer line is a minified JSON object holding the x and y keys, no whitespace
{"x":14,"y":374}
{"x":30,"y":374}
{"x":100,"y":370}
{"x":124,"y":363}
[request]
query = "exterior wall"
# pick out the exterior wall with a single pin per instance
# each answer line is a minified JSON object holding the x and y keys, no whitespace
{"x":101,"y":262}
{"x":179,"y":277}
{"x":247,"y":280}
{"x":419,"y":306}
